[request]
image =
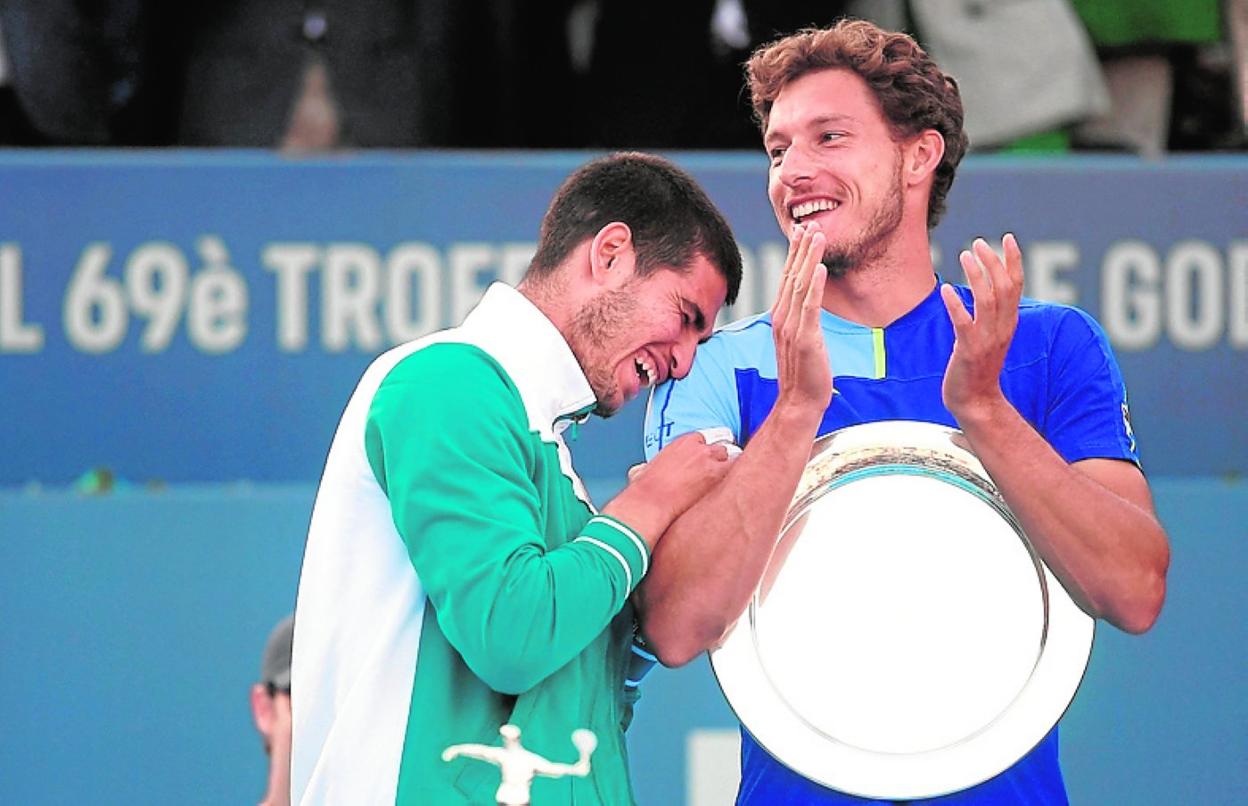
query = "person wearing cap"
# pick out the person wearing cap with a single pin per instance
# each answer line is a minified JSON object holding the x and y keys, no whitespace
{"x":270,"y":710}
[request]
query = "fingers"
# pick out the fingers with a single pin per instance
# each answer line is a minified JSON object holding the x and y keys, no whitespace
{"x":958,"y":314}
{"x":780,"y":306}
{"x":996,"y":288}
{"x":998,"y":277}
{"x":716,"y":450}
{"x":809,"y":263}
{"x":812,"y":298}
{"x":995,"y":285}
{"x":812,"y":302}
{"x":1013,"y":259}
{"x":799,"y":260}
{"x":807,"y":245}
{"x":976,"y":275}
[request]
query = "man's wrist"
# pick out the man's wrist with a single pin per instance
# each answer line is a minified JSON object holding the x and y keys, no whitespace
{"x":980,"y":412}
{"x":795,"y":417}
{"x":637,"y":508}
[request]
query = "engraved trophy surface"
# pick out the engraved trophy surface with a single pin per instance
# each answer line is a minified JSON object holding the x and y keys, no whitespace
{"x":519,"y":766}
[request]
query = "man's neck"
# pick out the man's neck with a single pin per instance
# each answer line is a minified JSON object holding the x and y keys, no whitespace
{"x":884,"y":289}
{"x":551,"y":297}
{"x":279,"y":778}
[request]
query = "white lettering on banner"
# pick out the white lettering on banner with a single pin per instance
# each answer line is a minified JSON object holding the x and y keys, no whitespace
{"x":16,"y":336}
{"x":350,"y":287}
{"x":1043,"y":263}
{"x":468,"y":261}
{"x":1237,"y":325}
{"x":412,"y":265}
{"x":217,"y":319}
{"x":1195,"y":301}
{"x":157,"y":286}
{"x":1194,"y":294}
{"x":94,"y":312}
{"x":291,"y":262}
{"x":1194,"y":313}
{"x":1131,"y":295}
{"x":156,"y":281}
{"x":359,"y":293}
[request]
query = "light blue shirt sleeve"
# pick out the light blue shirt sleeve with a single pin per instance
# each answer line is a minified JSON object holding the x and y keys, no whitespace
{"x":705,"y":398}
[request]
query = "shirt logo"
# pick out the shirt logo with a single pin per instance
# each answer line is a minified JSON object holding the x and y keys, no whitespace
{"x":658,"y":436}
{"x":1126,"y":424}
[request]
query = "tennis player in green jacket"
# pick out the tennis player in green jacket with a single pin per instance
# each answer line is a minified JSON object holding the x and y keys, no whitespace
{"x":457,"y":576}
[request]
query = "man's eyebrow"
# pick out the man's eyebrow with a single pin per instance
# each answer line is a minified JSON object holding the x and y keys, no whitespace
{"x":830,"y":119}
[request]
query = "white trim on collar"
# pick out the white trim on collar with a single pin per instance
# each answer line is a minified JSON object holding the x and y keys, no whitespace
{"x":533,"y":353}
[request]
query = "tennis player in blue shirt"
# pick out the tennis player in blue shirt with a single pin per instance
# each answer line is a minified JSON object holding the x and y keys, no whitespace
{"x":864,"y":133}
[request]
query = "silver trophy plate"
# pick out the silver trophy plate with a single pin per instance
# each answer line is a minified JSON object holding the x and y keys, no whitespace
{"x":906,"y":640}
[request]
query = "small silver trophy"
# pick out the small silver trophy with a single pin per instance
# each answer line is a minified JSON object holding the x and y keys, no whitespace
{"x":519,"y":766}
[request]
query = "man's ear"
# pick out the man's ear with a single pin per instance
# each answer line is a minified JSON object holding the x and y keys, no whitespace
{"x":262,"y":709}
{"x":922,"y":156}
{"x":611,"y":255}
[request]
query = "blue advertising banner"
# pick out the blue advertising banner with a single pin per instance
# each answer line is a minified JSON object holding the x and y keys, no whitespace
{"x":191,"y":317}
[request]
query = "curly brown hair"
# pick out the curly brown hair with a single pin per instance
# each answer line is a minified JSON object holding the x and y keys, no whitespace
{"x":913,"y":92}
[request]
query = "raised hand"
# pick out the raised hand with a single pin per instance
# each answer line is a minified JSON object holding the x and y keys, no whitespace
{"x":972,"y":384}
{"x":684,"y":471}
{"x":802,"y":367}
{"x":674,"y":480}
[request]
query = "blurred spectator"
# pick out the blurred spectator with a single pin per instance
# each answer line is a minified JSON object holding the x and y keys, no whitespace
{"x":515,"y":84}
{"x":311,"y":75}
{"x":1026,"y":69}
{"x":1169,"y":69}
{"x":654,"y":80}
{"x":1237,"y":41}
{"x":70,"y":73}
{"x":315,"y":75}
{"x":669,"y":75}
{"x":270,"y":709}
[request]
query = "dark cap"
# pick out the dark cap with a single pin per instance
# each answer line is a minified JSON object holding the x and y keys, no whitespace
{"x":275,"y":665}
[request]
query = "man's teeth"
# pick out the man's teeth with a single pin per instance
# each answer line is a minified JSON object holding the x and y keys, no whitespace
{"x":645,"y":370}
{"x":804,"y":209}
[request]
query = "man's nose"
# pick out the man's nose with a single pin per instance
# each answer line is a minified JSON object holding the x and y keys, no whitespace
{"x":682,"y":357}
{"x":795,"y":166}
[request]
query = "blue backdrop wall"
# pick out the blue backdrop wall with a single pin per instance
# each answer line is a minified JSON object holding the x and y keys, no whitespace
{"x":196,"y":322}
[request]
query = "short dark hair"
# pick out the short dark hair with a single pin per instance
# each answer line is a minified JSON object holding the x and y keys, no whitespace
{"x":913,"y":93}
{"x":671,"y":218}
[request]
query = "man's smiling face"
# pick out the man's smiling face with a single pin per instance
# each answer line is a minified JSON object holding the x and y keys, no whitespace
{"x":646,"y":330}
{"x":834,"y":161}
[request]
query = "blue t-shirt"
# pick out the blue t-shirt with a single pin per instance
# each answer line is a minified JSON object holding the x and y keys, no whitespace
{"x":1059,"y":373}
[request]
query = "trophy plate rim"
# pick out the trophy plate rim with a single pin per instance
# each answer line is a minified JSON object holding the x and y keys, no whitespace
{"x":867,"y":459}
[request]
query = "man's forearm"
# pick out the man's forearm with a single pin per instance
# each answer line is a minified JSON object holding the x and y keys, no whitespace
{"x":1092,"y":522}
{"x":710,"y":560}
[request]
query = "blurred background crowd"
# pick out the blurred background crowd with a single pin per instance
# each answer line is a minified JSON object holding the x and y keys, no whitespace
{"x":1139,"y":76}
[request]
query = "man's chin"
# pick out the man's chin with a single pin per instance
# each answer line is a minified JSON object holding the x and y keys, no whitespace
{"x":840,"y":262}
{"x":605,"y":410}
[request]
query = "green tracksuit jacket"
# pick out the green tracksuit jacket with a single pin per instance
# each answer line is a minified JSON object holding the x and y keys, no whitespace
{"x":456,"y":577}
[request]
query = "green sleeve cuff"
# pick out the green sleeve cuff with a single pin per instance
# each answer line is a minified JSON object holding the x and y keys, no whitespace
{"x":617,"y":539}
